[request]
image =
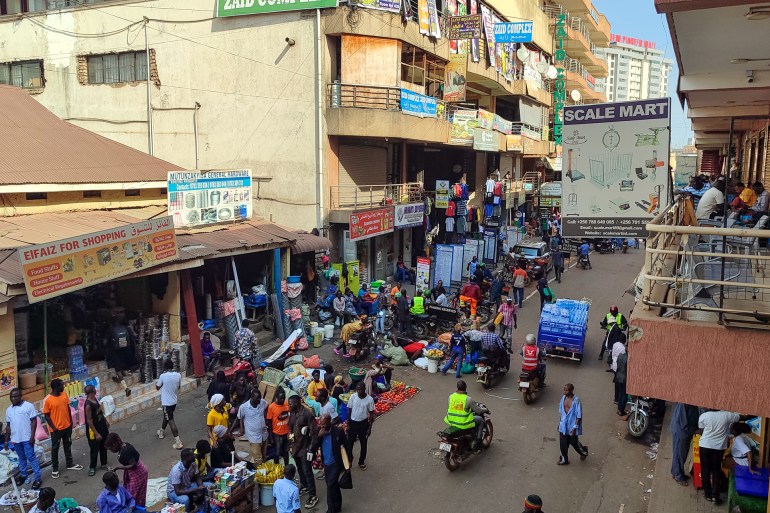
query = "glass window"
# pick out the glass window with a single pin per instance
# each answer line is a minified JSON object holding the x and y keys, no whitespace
{"x":115,"y":68}
{"x":28,"y":75}
{"x":127,"y":70}
{"x":95,"y":70}
{"x":111,"y":69}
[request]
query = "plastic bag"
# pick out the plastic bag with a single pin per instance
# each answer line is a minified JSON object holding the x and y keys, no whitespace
{"x":468,"y":368}
{"x":108,"y":405}
{"x":397,"y":355}
{"x":41,"y":433}
{"x":421,"y":362}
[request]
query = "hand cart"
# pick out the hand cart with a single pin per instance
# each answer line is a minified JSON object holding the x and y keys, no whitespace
{"x":562,"y":329}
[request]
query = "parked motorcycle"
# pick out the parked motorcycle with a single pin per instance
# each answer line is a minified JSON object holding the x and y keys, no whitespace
{"x":239,"y":366}
{"x":487,"y":370}
{"x":483,"y":309}
{"x":604,"y":246}
{"x":426,"y":325}
{"x":639,"y":418}
{"x":457,"y":443}
{"x":362,"y":343}
{"x":624,"y":246}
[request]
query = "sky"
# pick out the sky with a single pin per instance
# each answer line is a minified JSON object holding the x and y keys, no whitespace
{"x":637,"y":18}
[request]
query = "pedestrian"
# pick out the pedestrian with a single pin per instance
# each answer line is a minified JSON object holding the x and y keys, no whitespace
{"x":286,"y":493}
{"x":404,"y":315}
{"x":332,"y":441}
{"x":519,"y":281}
{"x":327,"y":405}
{"x":185,"y":484}
{"x":508,"y":309}
{"x":58,"y":417}
{"x":361,"y":408}
{"x":218,"y":385}
{"x":558,"y":263}
{"x":251,"y":422}
{"x":135,"y":474}
{"x":303,"y":425}
{"x":278,"y":425}
{"x":533,"y":504}
{"x":218,"y":415}
{"x":713,"y":442}
{"x":21,"y":423}
{"x":546,"y":294}
{"x":382,"y":311}
{"x":570,"y":425}
{"x":114,"y":498}
{"x":496,"y":289}
{"x":621,"y":366}
{"x":169,"y":383}
{"x":46,"y":502}
{"x":684,"y":422}
{"x":246,"y":344}
{"x":457,"y":344}
{"x":97,"y":429}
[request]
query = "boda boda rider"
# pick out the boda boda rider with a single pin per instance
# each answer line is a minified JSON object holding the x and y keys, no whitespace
{"x":471,"y":293}
{"x":464,"y":413}
{"x":532,"y":358}
{"x":418,"y":305}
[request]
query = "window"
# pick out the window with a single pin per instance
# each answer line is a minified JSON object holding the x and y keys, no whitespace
{"x":117,"y":67}
{"x":37,"y":196}
{"x":20,"y":6}
{"x":26,"y":74}
{"x":92,"y":194}
{"x":131,"y":192}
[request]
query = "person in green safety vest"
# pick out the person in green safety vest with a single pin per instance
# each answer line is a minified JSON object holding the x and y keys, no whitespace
{"x":465,"y":413}
{"x":418,"y":305}
{"x":620,"y":319}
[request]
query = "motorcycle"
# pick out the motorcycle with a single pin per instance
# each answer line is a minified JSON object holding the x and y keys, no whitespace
{"x":487,"y":371}
{"x":239,"y":366}
{"x":457,"y":443}
{"x":583,"y":261}
{"x":483,"y":309}
{"x":361,"y":342}
{"x":604,"y":246}
{"x":624,"y":246}
{"x":639,"y":418}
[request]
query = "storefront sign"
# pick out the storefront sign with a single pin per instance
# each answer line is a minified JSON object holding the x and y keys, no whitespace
{"x":67,"y":265}
{"x":442,"y":193}
{"x":383,"y":5}
{"x":517,"y":32}
{"x":486,"y":16}
{"x":423,"y":275}
{"x":465,"y":27}
{"x":559,"y":91}
{"x":370,"y":223}
{"x":502,"y":125}
{"x":416,"y":104}
{"x":464,"y":123}
{"x":196,"y":198}
{"x":455,"y":78}
{"x":514,"y":143}
{"x":241,"y":7}
{"x":616,"y":177}
{"x":8,"y":379}
{"x":529,"y":146}
{"x":551,"y":189}
{"x":486,"y":119}
{"x":632,"y":41}
{"x":485,"y":140}
{"x":409,"y":215}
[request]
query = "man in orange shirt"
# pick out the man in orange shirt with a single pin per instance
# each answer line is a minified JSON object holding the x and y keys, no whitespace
{"x":278,"y":426}
{"x":519,"y":282}
{"x":56,"y":408}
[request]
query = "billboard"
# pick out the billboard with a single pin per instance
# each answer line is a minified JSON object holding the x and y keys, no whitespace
{"x":615,"y":165}
{"x":410,"y":214}
{"x":370,"y":223}
{"x":198,"y":198}
{"x":416,"y":104}
{"x":516,"y":32}
{"x":455,"y":77}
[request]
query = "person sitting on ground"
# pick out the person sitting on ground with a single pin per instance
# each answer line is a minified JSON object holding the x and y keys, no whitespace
{"x":328,"y":376}
{"x":315,"y":384}
{"x":338,"y":387}
{"x":202,"y":452}
{"x":46,"y":502}
{"x":114,"y":498}
{"x":380,"y":373}
{"x":403,"y":272}
{"x":185,"y":484}
{"x":340,"y":315}
{"x":210,"y":353}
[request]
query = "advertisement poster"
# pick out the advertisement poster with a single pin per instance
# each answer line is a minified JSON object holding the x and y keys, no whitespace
{"x":616,"y":159}
{"x":464,"y":27}
{"x":67,"y":265}
{"x":490,"y":246}
{"x":409,"y":215}
{"x":485,"y":140}
{"x":365,"y":224}
{"x":475,"y":50}
{"x":423,"y":15}
{"x":443,"y":262}
{"x":502,"y":125}
{"x":486,"y":16}
{"x":514,"y":143}
{"x":442,"y":193}
{"x":196,"y":199}
{"x":416,"y":104}
{"x":239,"y":7}
{"x":464,"y":122}
{"x":383,"y":5}
{"x":423,"y":275}
{"x":7,"y":379}
{"x":529,"y":145}
{"x":457,"y":263}
{"x":486,"y":119}
{"x":435,"y":27}
{"x":456,"y":72}
{"x":449,"y":11}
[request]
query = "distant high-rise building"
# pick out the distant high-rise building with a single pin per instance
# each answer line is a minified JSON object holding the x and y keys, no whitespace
{"x":637,"y":70}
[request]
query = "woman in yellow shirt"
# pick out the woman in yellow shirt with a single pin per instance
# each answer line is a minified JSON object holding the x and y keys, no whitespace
{"x":316,"y":384}
{"x":218,"y":416}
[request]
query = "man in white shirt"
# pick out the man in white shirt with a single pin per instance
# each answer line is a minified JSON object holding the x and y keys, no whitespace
{"x":169,"y":384}
{"x":251,"y":418}
{"x":712,"y":444}
{"x":21,"y":418}
{"x":712,"y":201}
{"x":361,"y":410}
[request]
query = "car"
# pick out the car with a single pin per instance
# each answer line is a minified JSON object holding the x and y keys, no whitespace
{"x":536,"y":252}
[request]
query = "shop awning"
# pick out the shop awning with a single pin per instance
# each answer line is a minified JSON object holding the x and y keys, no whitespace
{"x":308,"y":242}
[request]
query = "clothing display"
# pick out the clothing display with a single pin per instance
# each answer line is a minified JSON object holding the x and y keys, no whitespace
{"x":460,"y":226}
{"x":462,"y":208}
{"x":450,"y":224}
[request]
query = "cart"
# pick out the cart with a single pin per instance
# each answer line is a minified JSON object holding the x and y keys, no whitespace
{"x":562,"y":329}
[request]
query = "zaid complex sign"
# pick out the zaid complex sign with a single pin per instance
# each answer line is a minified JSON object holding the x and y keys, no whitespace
{"x":241,"y":7}
{"x":559,"y":91}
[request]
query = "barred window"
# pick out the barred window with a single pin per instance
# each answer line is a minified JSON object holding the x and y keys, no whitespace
{"x":116,"y":68}
{"x":26,"y":74}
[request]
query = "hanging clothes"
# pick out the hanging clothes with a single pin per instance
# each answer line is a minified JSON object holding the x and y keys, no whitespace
{"x":465,"y":193}
{"x":457,"y":190}
{"x":461,"y":208}
{"x":490,"y":186}
{"x":460,"y":226}
{"x":450,"y":209}
{"x":488,"y":210}
{"x":450,"y":224}
{"x":498,"y":189}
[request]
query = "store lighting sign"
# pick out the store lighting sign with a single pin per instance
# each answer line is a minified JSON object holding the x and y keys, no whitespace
{"x":559,"y":91}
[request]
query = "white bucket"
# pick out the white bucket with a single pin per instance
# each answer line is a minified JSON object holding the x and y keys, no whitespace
{"x":329,"y":331}
{"x":313,"y":328}
{"x":432,"y":366}
{"x":266,"y":495}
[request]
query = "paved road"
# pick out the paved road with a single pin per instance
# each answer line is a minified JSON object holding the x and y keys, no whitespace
{"x":406,"y":473}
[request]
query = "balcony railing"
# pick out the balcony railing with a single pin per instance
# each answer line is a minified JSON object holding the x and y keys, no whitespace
{"x":371,"y":97}
{"x":716,"y":271}
{"x":367,"y":196}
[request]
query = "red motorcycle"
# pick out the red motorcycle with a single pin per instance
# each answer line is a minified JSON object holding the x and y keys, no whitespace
{"x":239,"y":366}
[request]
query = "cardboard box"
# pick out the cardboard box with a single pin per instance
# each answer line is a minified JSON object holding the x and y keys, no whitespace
{"x":267,"y":390}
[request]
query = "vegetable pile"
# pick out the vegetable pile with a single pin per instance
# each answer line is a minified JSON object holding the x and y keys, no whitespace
{"x":399,"y":393}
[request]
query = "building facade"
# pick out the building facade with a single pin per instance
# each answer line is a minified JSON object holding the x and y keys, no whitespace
{"x":637,"y":70}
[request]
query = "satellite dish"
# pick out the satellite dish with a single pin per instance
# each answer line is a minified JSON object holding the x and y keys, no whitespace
{"x":522,"y":53}
{"x":575,"y":95}
{"x":542,"y":67}
{"x":552,"y":73}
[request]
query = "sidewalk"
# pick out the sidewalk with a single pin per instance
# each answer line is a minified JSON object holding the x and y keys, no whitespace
{"x":669,"y":497}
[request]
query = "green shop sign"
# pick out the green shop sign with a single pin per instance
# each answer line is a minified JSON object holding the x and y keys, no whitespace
{"x":241,"y":7}
{"x":559,"y":92}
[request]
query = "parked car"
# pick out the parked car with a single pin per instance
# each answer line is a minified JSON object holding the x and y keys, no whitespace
{"x":537,"y":252}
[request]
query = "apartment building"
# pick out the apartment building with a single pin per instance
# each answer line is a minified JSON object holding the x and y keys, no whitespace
{"x":637,"y":70}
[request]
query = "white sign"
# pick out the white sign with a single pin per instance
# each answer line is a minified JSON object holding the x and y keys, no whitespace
{"x":442,"y":193}
{"x":423,"y":275}
{"x":614,"y":167}
{"x":198,"y":198}
{"x":409,"y":215}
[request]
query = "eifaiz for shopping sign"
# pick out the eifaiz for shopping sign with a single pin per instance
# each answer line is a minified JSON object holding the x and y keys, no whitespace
{"x":365,"y":224}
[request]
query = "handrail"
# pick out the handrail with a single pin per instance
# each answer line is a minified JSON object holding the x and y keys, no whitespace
{"x":366,"y":196}
{"x":369,"y":96}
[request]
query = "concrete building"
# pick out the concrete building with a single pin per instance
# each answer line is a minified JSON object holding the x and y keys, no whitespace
{"x":637,"y":70}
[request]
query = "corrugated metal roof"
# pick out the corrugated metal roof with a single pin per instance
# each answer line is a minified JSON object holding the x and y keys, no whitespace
{"x":38,"y":147}
{"x":252,"y":234}
{"x":309,"y":242}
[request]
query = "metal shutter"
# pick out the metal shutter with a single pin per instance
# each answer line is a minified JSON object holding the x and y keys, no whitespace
{"x":363,"y":165}
{"x":709,"y":163}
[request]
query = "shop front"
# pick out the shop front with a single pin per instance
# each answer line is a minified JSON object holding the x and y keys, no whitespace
{"x":409,"y":224}
{"x":370,"y":241}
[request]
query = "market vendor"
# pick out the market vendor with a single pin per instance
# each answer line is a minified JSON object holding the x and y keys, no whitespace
{"x":346,"y":332}
{"x":380,"y":372}
{"x":210,"y":352}
{"x":224,"y":454}
{"x":185,"y":484}
{"x":316,"y":383}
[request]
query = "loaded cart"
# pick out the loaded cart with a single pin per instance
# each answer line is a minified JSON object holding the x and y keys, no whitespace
{"x":562,"y":329}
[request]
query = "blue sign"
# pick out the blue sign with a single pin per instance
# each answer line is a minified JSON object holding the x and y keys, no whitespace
{"x":416,"y":104}
{"x":518,"y":32}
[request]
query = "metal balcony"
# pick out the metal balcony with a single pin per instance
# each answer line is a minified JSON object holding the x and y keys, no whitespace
{"x":355,"y":197}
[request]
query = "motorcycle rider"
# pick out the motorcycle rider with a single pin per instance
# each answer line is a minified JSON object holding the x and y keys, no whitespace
{"x":583,"y":252}
{"x":464,"y":413}
{"x":533,"y":359}
{"x":418,"y":305}
{"x":493,"y":347}
{"x":471,"y":293}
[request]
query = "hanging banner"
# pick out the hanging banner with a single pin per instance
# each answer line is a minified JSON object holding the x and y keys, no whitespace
{"x":475,"y":51}
{"x":502,"y":125}
{"x":196,"y":199}
{"x":410,"y":214}
{"x":442,"y":193}
{"x":423,"y":16}
{"x":443,"y":263}
{"x":416,"y":104}
{"x":517,"y":32}
{"x":617,"y":175}
{"x":365,"y":224}
{"x":423,"y":275}
{"x":455,"y":78}
{"x":435,"y":27}
{"x":449,"y":11}
{"x":486,"y":119}
{"x":464,"y":27}
{"x":464,"y":122}
{"x":241,"y":7}
{"x":67,"y":265}
{"x":486,"y":16}
{"x":382,"y":5}
{"x":457,"y":263}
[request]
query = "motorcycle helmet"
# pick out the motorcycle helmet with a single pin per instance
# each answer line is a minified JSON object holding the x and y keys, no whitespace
{"x":614,"y":310}
{"x":482,"y":264}
{"x":530,"y":338}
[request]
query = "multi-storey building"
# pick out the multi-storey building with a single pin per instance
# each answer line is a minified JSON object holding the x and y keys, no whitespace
{"x":637,"y":70}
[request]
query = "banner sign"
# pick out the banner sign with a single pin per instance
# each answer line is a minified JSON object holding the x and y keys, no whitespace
{"x":617,"y":175}
{"x":465,"y":27}
{"x":485,"y":140}
{"x":486,"y":119}
{"x":464,"y":122}
{"x":433,"y":21}
{"x":55,"y":268}
{"x":559,"y":91}
{"x":455,"y":78}
{"x":383,"y":5}
{"x":529,"y":146}
{"x":196,"y":199}
{"x":242,"y":7}
{"x":486,"y":16}
{"x":475,"y":50}
{"x":416,"y":104}
{"x":365,"y":224}
{"x":517,"y":32}
{"x":442,"y":193}
{"x":423,"y":275}
{"x":409,"y":215}
{"x":502,"y":125}
{"x":443,"y":261}
{"x":514,"y":143}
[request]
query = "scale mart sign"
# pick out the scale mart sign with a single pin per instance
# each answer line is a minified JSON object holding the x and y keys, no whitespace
{"x":242,"y":7}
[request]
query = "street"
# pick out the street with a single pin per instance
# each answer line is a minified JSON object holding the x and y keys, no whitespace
{"x":405,"y":469}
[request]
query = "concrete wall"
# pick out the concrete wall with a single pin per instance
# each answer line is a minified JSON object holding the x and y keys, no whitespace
{"x":257,"y":93}
{"x":15,"y":204}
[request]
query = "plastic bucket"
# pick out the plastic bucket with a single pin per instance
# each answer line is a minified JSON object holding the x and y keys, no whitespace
{"x":329,"y":331}
{"x":28,"y":378}
{"x":40,"y":369}
{"x":313,"y":328}
{"x":432,"y":366}
{"x":293,"y":279}
{"x":266,"y":495}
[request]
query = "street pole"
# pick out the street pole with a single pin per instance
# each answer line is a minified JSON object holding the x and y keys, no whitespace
{"x":149,"y":99}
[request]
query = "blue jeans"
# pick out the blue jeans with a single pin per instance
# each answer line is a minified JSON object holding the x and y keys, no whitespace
{"x":518,"y":295}
{"x":379,"y":323}
{"x":181,"y":499}
{"x":27,"y":458}
{"x":456,"y":355}
{"x":680,"y":450}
